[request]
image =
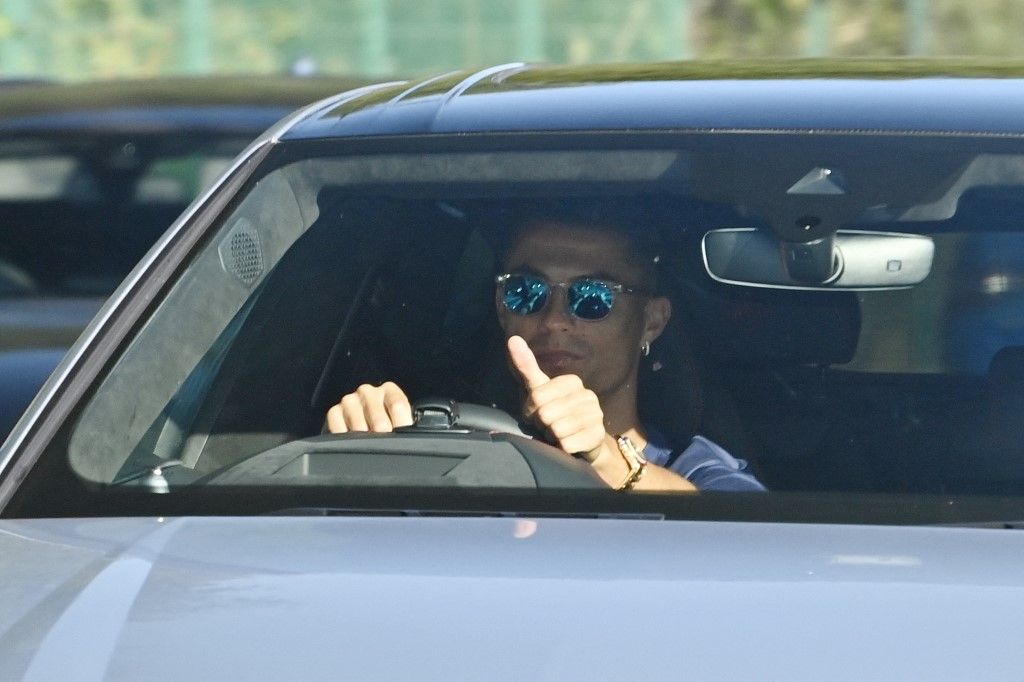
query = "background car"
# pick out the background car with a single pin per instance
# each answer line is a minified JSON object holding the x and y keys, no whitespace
{"x":90,"y":175}
{"x":171,"y":508}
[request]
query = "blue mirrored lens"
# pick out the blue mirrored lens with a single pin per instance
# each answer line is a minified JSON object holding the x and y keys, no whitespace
{"x":525,"y":295}
{"x":590,"y":299}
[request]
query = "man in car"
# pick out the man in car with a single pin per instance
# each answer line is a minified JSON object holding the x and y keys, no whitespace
{"x":578,"y":304}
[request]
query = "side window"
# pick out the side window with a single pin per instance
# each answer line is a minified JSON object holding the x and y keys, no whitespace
{"x":217,"y":286}
{"x":178,"y":180}
{"x":956,"y":321}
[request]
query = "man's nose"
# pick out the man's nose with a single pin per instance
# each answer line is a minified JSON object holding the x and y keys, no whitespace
{"x":556,"y":313}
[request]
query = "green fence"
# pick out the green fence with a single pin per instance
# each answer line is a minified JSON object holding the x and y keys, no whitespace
{"x":80,"y":39}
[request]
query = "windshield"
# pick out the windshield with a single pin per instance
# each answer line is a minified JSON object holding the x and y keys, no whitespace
{"x":336,"y":270}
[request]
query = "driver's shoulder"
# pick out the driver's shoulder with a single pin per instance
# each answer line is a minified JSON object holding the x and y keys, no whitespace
{"x":704,"y":463}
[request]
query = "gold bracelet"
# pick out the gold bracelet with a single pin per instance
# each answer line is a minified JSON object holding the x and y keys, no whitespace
{"x":634,"y":459}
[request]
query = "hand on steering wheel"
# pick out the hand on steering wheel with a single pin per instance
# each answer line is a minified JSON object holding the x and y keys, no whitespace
{"x":380,"y":409}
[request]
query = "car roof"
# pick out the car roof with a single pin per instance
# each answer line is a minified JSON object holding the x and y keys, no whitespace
{"x":246,"y":104}
{"x":929,"y":96}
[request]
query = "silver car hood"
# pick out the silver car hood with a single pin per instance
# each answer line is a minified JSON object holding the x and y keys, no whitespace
{"x":505,"y":599}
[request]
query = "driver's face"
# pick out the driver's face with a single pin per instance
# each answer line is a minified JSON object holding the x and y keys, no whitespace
{"x":604,"y":353}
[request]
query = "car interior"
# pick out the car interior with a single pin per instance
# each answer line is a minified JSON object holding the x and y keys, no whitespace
{"x":818,"y":389}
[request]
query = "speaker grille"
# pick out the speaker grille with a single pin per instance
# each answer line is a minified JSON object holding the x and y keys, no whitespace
{"x":240,"y":252}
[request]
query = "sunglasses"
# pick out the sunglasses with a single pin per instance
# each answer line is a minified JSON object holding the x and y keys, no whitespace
{"x":589,"y":299}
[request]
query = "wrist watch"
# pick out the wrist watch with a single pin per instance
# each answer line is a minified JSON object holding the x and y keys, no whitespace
{"x":634,"y":459}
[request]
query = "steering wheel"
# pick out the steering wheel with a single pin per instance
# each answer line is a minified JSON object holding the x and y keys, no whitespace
{"x":446,"y":414}
{"x":433,"y":415}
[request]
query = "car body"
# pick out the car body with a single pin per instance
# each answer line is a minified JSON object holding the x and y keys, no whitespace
{"x":171,"y":508}
{"x":92,"y":174}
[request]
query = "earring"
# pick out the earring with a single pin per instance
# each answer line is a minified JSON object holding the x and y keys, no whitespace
{"x":645,"y":348}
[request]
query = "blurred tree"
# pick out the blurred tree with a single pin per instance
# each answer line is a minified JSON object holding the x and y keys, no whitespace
{"x":104,"y":38}
{"x":76,"y":39}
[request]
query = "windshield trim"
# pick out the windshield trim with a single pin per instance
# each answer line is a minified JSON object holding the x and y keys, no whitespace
{"x":798,"y":508}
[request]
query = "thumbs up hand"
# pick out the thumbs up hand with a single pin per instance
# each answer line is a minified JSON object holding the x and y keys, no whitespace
{"x":566,"y":409}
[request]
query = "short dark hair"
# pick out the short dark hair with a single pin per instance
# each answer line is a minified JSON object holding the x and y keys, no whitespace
{"x":623,"y":217}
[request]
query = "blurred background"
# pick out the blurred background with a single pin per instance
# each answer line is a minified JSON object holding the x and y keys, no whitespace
{"x":71,"y":40}
{"x":116,"y":114}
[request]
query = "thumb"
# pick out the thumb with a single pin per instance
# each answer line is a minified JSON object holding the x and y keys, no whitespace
{"x":525,"y":362}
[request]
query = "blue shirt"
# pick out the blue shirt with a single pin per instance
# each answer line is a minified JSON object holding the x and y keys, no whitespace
{"x":705,"y":464}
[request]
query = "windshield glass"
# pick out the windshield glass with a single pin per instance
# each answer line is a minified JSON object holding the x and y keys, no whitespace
{"x":337,"y":270}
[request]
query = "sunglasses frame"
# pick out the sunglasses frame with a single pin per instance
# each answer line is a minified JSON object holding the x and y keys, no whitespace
{"x":615,"y":287}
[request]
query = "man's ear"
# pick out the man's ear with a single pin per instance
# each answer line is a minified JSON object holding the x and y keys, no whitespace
{"x":657,"y":312}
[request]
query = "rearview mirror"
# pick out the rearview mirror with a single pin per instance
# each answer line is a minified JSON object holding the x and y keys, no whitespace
{"x":850,"y":259}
